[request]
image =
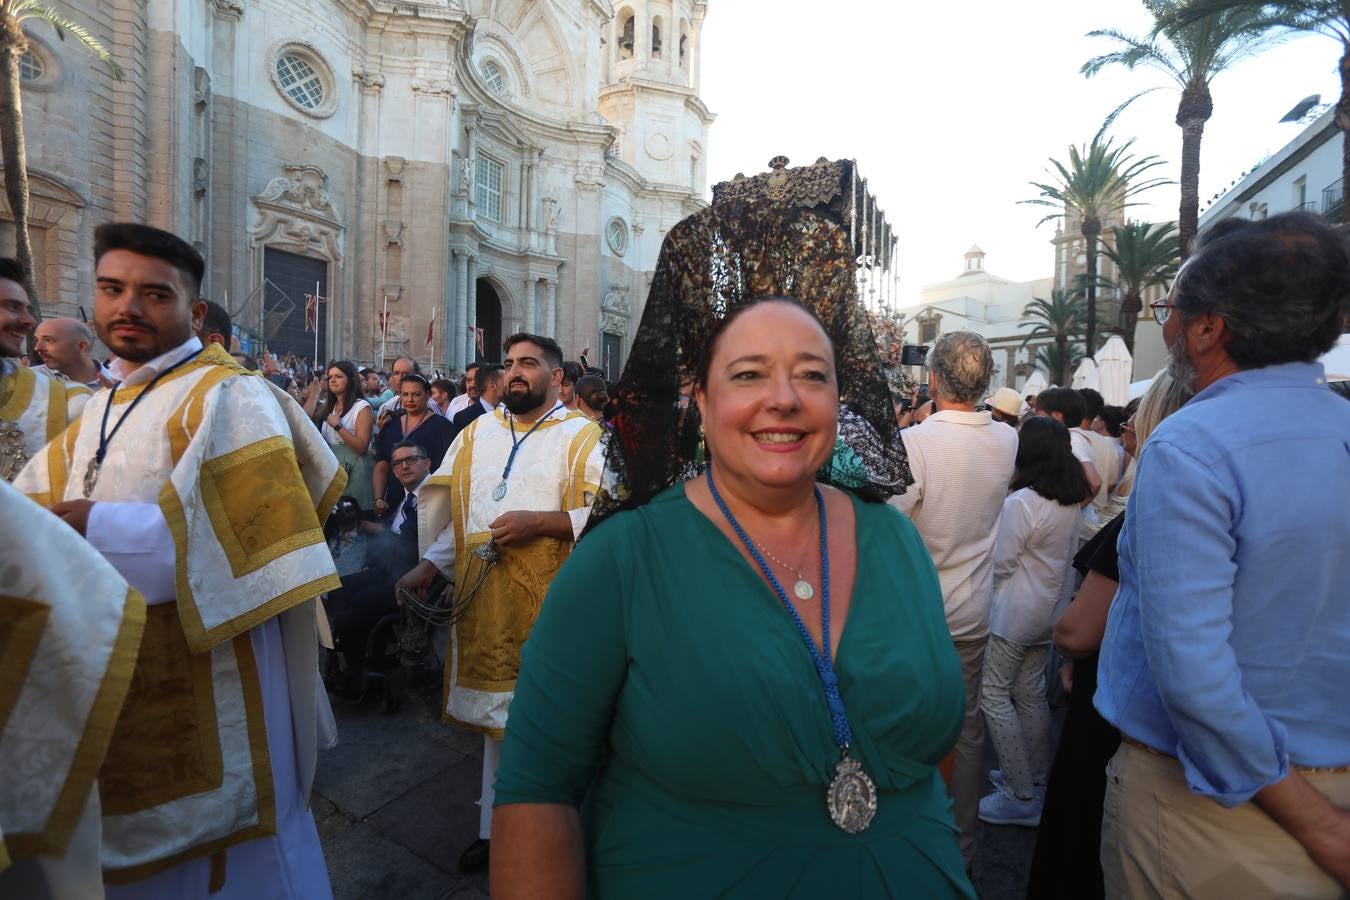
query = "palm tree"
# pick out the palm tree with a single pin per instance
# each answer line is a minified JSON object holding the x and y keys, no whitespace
{"x":1191,"y":55}
{"x":1326,"y":17}
{"x":1145,"y":255}
{"x":13,"y":45}
{"x":1058,"y":320}
{"x":1057,"y":360}
{"x":1099,"y":180}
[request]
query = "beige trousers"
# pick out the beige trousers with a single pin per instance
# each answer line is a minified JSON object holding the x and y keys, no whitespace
{"x":968,"y":772}
{"x":1161,"y":840}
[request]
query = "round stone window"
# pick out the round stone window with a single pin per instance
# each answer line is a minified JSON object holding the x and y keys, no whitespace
{"x":304,"y":79}
{"x":616,"y":235}
{"x":31,"y":67}
{"x":39,"y":67}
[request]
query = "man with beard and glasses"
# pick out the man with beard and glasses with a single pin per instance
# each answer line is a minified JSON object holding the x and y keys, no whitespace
{"x":201,"y":490}
{"x":520,"y":482}
{"x":34,"y":407}
{"x":1224,"y":662}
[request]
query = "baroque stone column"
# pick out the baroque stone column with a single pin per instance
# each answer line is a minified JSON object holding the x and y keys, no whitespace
{"x":551,"y":307}
{"x":454,"y":347}
{"x":531,"y":310}
{"x":469,"y":267}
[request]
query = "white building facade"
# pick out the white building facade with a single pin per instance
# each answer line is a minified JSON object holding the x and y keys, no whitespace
{"x":978,"y":300}
{"x":474,"y":167}
{"x":1305,"y":175}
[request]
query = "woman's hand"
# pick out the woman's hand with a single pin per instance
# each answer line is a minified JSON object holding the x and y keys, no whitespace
{"x":334,"y":420}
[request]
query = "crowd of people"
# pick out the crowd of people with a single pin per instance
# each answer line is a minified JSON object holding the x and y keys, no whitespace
{"x":737,"y":625}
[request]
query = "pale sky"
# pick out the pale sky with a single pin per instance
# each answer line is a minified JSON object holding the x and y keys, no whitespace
{"x":952,"y":108}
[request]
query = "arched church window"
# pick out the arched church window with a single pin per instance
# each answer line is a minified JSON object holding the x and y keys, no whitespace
{"x":493,"y":78}
{"x":684,"y":51}
{"x":627,"y":32}
{"x":656,"y":38}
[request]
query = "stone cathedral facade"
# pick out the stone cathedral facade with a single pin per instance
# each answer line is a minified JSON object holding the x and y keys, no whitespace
{"x":494,"y":165}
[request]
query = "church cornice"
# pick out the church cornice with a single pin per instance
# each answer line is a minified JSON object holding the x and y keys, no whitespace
{"x":634,"y":85}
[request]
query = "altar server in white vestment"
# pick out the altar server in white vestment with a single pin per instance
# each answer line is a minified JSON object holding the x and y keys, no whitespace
{"x":196,"y":486}
{"x":70,"y":627}
{"x":521,"y":479}
{"x":34,"y":407}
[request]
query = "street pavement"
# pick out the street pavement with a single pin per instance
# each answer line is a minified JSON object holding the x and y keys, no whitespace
{"x":395,"y":806}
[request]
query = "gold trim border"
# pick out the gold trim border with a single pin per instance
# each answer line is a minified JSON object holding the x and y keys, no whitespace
{"x":263,"y":784}
{"x":98,"y":730}
{"x":20,"y":395}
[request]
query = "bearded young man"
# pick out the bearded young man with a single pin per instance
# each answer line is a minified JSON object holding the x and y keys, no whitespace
{"x":34,"y":408}
{"x":201,"y":491}
{"x":520,"y":481}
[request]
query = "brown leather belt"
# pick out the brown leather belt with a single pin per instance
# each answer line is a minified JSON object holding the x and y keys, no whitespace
{"x":1302,"y":770}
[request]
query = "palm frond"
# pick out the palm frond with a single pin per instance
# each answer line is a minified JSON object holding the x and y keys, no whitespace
{"x":62,"y":26}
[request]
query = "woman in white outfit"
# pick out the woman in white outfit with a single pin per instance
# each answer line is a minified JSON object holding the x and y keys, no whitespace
{"x":347,"y":422}
{"x":1037,"y":537}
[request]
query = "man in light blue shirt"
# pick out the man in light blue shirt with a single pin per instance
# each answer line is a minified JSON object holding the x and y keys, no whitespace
{"x":1226,"y":661}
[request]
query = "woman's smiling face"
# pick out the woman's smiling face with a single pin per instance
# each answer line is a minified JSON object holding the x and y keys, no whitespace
{"x":770,"y":399}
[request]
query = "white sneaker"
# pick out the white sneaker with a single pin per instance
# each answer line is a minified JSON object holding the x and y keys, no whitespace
{"x":996,"y":779}
{"x":1002,"y":808}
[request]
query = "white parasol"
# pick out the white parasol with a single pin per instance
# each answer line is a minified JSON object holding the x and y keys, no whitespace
{"x":1086,"y":375}
{"x":1114,"y":365}
{"x":1035,"y":384}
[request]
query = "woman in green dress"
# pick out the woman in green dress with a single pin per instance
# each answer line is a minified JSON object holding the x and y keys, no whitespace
{"x":743,"y":685}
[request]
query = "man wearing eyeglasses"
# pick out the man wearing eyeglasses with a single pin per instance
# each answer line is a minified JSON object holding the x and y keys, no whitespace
{"x":368,"y":595}
{"x":1224,"y":663}
{"x":411,"y":465}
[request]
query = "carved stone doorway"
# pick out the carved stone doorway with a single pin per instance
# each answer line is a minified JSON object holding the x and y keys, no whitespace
{"x":289,"y":277}
{"x":489,"y":311}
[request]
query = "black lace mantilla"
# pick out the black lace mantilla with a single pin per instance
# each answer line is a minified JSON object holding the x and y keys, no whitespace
{"x":711,"y":263}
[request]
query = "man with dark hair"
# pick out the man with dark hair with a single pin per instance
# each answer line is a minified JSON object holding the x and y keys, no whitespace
{"x":1106,"y":459}
{"x":216,"y":325}
{"x":36,"y":408}
{"x":212,"y":517}
{"x":572,"y":373}
{"x":488,"y":381}
{"x":592,"y":395}
{"x":517,"y":484}
{"x":1066,"y":406}
{"x":470,"y":395}
{"x":152,"y":243}
{"x":442,"y":392}
{"x":391,"y":550}
{"x":1224,"y":663}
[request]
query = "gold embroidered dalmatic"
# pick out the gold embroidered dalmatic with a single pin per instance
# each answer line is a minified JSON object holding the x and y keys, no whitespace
{"x":244,"y":483}
{"x":557,"y":469}
{"x":69,"y":630}
{"x":34,"y":409}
